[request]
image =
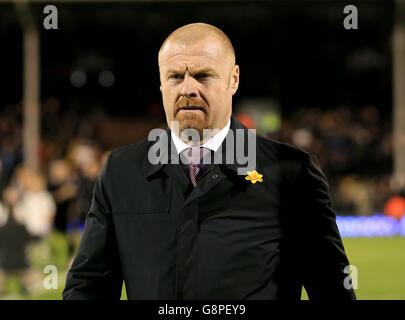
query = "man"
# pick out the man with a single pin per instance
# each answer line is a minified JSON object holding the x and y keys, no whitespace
{"x":204,"y":231}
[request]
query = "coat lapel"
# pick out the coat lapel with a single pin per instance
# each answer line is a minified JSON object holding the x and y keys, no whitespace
{"x":219,"y":172}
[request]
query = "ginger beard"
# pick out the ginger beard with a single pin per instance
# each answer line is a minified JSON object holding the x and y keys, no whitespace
{"x":191,"y":113}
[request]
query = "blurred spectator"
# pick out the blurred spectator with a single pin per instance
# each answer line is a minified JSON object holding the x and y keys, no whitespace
{"x":395,"y":207}
{"x":37,"y":207}
{"x":14,"y":240}
{"x":63,"y":186}
{"x":86,"y":158}
{"x":354,"y":195}
{"x":10,"y":157}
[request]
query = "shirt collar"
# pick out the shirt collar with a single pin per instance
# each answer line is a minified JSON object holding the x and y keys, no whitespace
{"x":149,"y":169}
{"x":213,"y":144}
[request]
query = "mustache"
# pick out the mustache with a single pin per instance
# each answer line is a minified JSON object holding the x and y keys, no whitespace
{"x":186,"y":102}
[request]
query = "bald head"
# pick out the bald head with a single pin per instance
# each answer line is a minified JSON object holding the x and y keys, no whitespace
{"x":198,"y":77}
{"x":195,"y":32}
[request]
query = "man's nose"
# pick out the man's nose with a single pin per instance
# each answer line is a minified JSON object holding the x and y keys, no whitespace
{"x":189,"y":88}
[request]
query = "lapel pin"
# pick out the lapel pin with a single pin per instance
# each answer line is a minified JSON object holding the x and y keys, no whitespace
{"x":254,"y":176}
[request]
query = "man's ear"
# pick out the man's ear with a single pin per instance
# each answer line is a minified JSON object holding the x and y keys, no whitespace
{"x":235,"y":79}
{"x":160,"y":88}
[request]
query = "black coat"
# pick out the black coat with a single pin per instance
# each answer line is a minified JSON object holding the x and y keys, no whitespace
{"x":225,"y":239}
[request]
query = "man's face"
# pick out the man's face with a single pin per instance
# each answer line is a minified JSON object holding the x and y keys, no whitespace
{"x":197,"y":84}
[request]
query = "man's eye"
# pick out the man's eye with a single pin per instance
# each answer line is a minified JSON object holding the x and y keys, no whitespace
{"x":201,"y":76}
{"x":175,"y":76}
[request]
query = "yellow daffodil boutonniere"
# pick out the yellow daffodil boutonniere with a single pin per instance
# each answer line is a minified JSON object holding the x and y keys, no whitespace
{"x":254,"y":176}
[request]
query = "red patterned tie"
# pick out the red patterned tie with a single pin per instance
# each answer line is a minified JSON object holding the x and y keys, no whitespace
{"x":195,"y":157}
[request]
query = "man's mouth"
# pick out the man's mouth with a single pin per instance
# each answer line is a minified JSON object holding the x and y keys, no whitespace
{"x":192,"y":109}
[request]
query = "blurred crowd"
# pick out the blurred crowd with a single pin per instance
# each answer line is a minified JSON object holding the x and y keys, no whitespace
{"x":354,"y":149}
{"x":55,"y":198}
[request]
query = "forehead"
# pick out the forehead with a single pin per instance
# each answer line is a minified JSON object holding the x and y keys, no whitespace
{"x":209,"y":52}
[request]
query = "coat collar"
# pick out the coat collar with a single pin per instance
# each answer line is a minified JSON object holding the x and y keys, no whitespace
{"x":167,"y":153}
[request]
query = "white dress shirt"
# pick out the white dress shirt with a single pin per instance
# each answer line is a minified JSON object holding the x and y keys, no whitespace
{"x":213,"y":143}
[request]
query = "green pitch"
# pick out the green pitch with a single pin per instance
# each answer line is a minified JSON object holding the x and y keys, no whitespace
{"x":380,"y":263}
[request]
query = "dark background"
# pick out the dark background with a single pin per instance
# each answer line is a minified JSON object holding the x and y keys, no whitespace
{"x":296,"y":52}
